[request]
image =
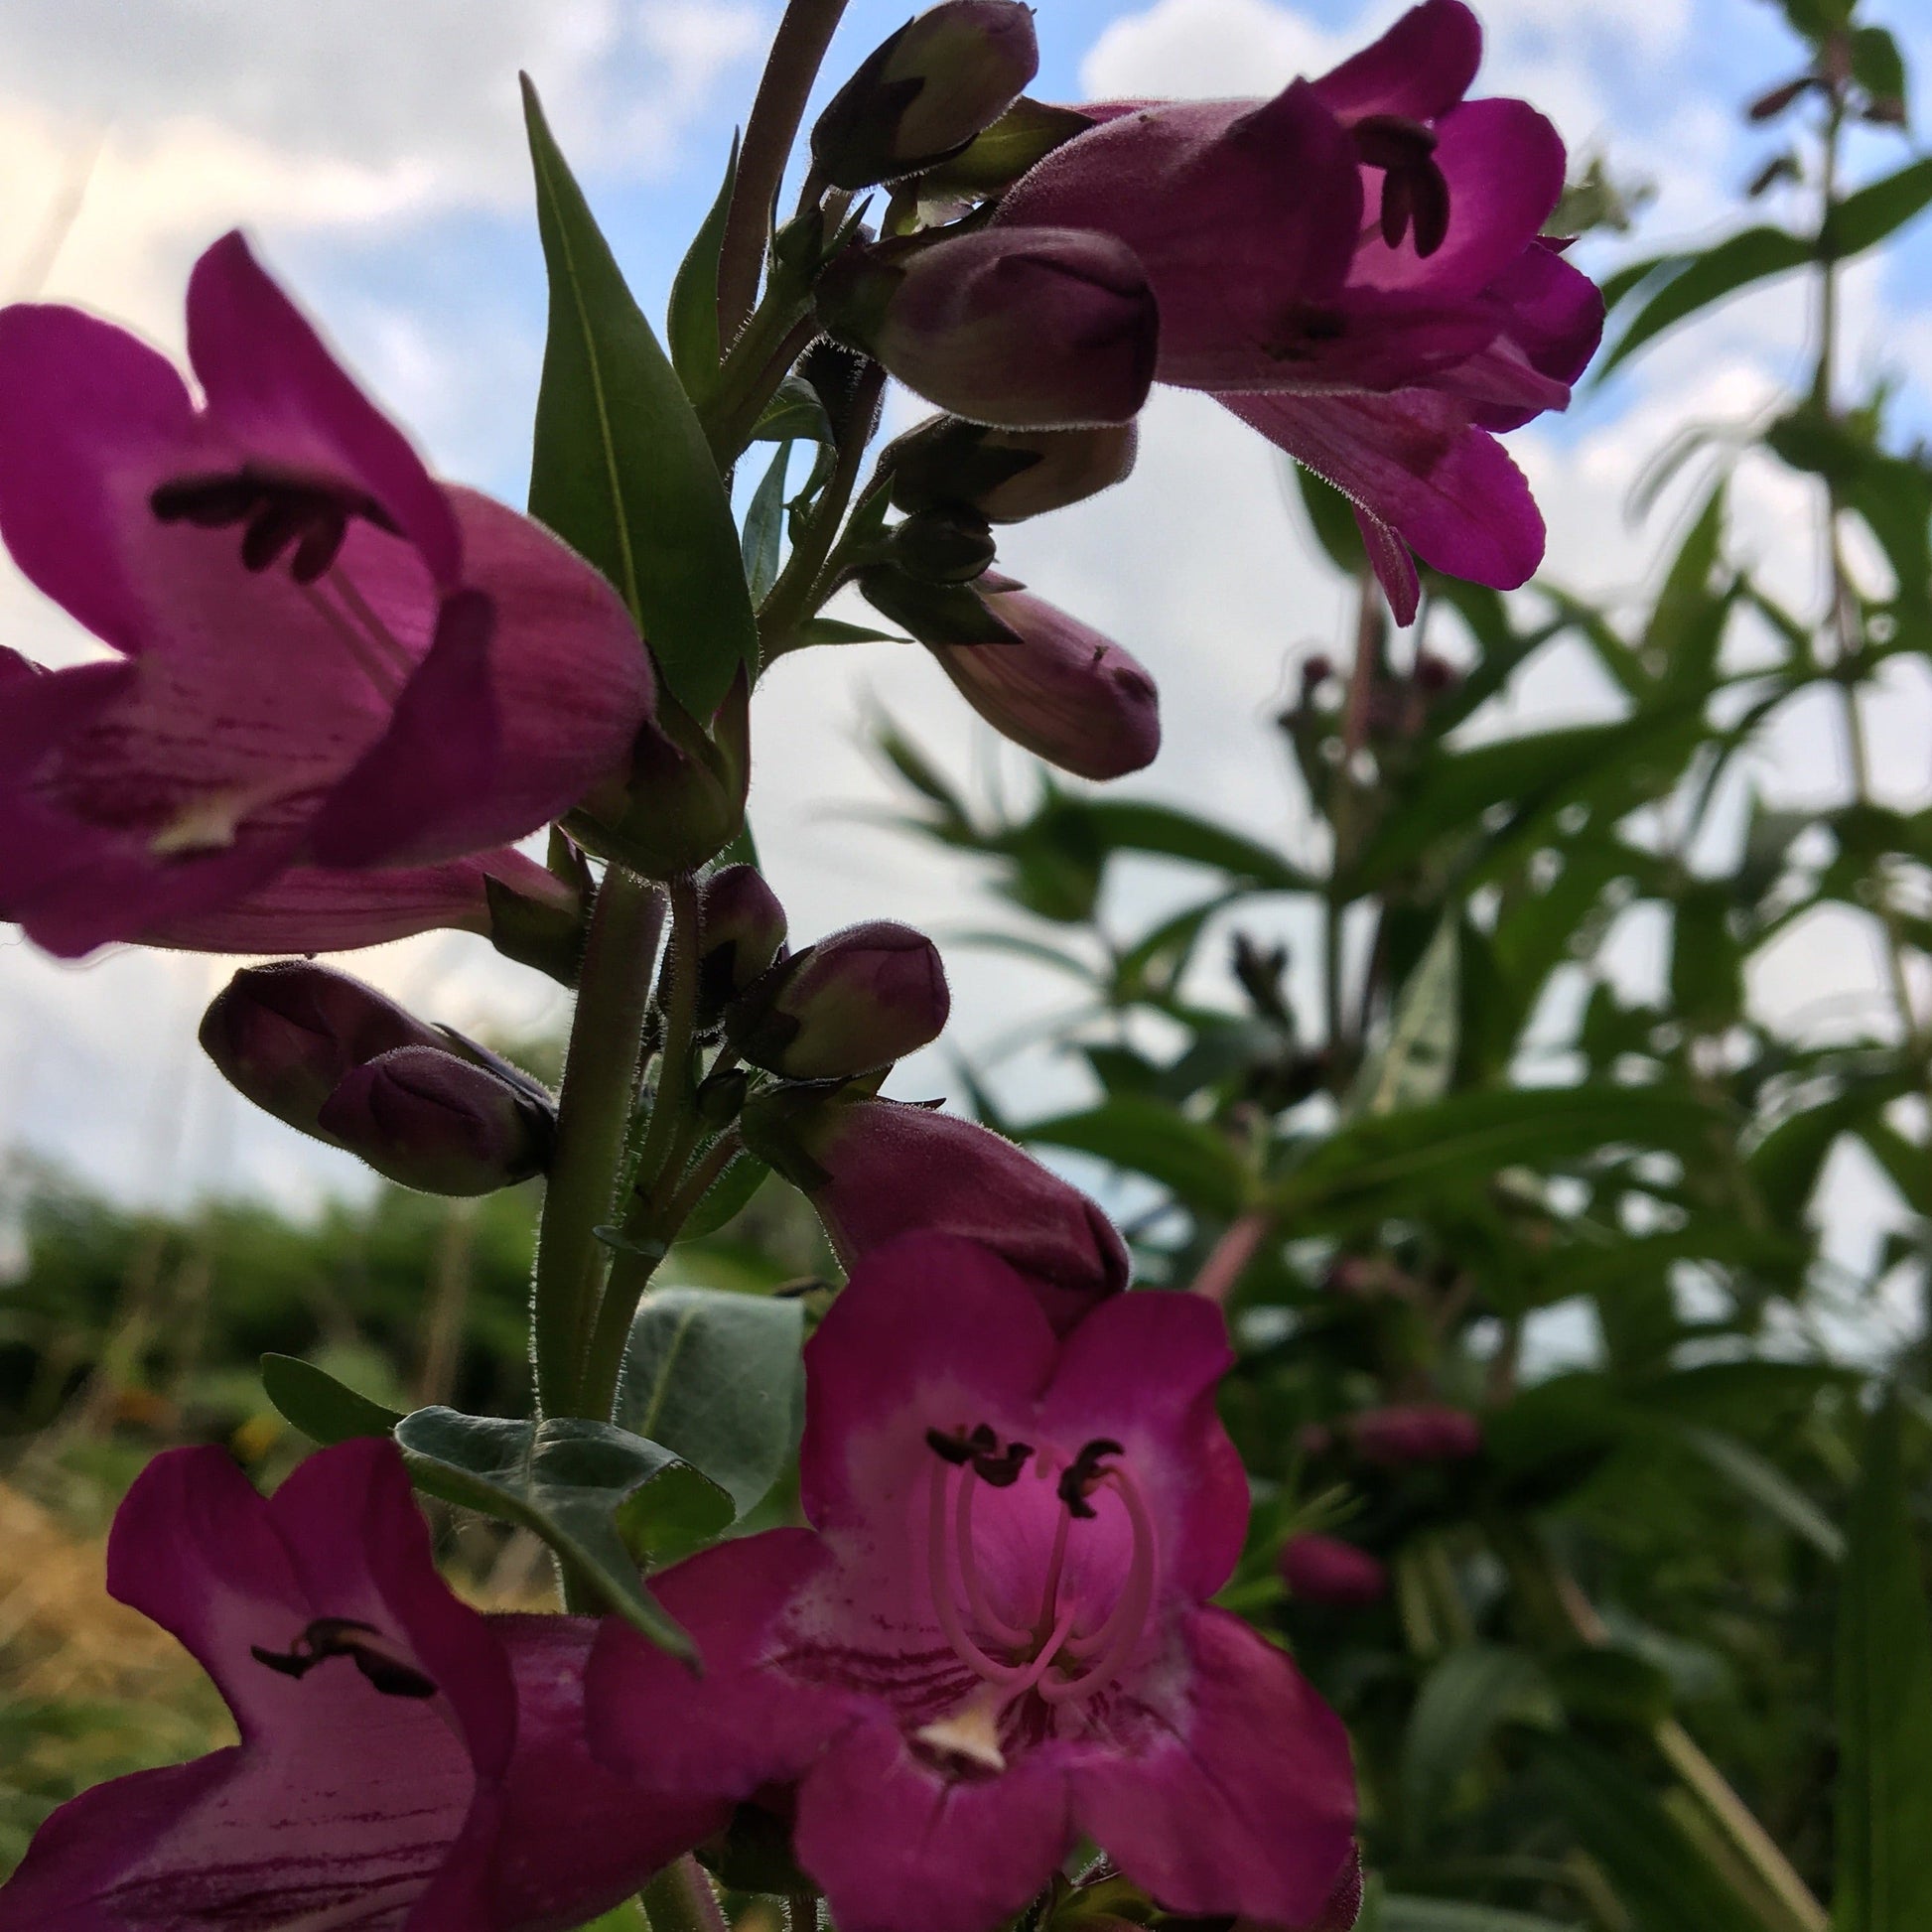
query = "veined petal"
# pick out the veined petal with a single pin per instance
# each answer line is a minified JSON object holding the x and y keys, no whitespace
{"x":1420,"y":69}
{"x":278,"y":394}
{"x":1240,"y":1796}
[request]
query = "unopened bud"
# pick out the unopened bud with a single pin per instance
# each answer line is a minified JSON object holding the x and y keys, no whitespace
{"x":1434,"y":675}
{"x":1423,"y":1431}
{"x":438,"y":1123}
{"x":876,"y":1168}
{"x":855,"y":1002}
{"x":742,"y":929}
{"x":925,"y":93}
{"x":1063,"y":691}
{"x":684,"y":800}
{"x":1006,"y":475}
{"x":943,"y":546}
{"x":1326,"y":1569}
{"x":1025,"y":328}
{"x":285,"y":1034}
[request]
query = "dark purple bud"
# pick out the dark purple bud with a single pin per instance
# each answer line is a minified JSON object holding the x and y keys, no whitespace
{"x":285,"y":1034}
{"x":943,"y":546}
{"x":1770,"y":104}
{"x":925,"y":93}
{"x":855,"y":1002}
{"x":1422,"y":1432}
{"x":438,"y":1123}
{"x":876,"y":1168}
{"x":1317,"y":670}
{"x":1064,"y":692}
{"x":1023,"y":327}
{"x":1006,"y":475}
{"x":742,"y":929}
{"x":1326,"y":1569}
{"x":1434,"y":675}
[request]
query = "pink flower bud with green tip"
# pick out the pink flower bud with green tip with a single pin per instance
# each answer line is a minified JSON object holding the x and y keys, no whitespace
{"x":1326,"y":1569}
{"x":428,"y":1119}
{"x":1410,"y":1432}
{"x":325,"y":662}
{"x":742,"y":932}
{"x":404,"y":1761}
{"x":855,"y":1002}
{"x":286,"y":1035}
{"x":1034,"y":328}
{"x":925,"y":93}
{"x":1355,"y":268}
{"x":876,"y":1170}
{"x":995,"y":1640}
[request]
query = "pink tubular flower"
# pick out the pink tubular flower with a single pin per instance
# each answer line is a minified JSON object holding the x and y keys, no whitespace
{"x":405,"y":1764}
{"x":1420,"y":1431}
{"x":1356,"y":269}
{"x":1326,"y":1569}
{"x":876,"y":1170}
{"x":325,"y":662}
{"x":995,"y":1639}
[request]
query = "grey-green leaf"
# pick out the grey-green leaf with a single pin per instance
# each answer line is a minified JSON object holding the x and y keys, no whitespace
{"x":621,"y":467}
{"x":323,"y":1409}
{"x":716,"y":1377}
{"x":1417,"y":1061}
{"x":567,"y":1480}
{"x":1884,"y":1705}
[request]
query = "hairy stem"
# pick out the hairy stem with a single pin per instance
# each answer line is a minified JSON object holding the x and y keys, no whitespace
{"x":593,"y":1115}
{"x":792,"y":65}
{"x":681,"y":1898}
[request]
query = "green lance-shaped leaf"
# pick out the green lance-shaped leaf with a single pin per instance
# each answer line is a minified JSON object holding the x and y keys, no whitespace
{"x":1878,"y":209}
{"x":1401,"y":1914}
{"x":716,"y":1377}
{"x":621,"y":470}
{"x":1417,"y":1061}
{"x":325,"y":1410}
{"x":1148,"y":1136}
{"x":1884,"y":1705}
{"x":765,"y":527}
{"x":691,"y":318}
{"x":1735,"y":263}
{"x":1466,"y":1695}
{"x":600,"y":1496}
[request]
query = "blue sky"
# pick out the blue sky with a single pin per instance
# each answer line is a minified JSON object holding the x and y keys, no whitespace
{"x":373,"y":148}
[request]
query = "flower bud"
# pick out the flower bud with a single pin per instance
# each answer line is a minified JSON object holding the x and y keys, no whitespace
{"x":285,"y":1034}
{"x":1006,"y":475}
{"x":1064,"y":692}
{"x":741,"y":930}
{"x":875,"y":1168}
{"x":858,"y":1001}
{"x":438,"y":1123}
{"x":943,"y":546}
{"x":1025,"y":328}
{"x":1326,"y":1569}
{"x":1422,"y":1432}
{"x":926,"y":91}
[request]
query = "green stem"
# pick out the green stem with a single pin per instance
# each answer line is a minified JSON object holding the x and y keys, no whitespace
{"x":700,"y":1181}
{"x":759,"y":361}
{"x":796,"y":594}
{"x":672,"y":1098}
{"x":797,"y":50}
{"x":682,"y":1899}
{"x":593,"y":1115}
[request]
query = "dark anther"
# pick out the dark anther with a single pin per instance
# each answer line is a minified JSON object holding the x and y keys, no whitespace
{"x":1001,"y":1469}
{"x":1083,"y":1472}
{"x":343,"y":1636}
{"x":1414,"y":192}
{"x":956,"y":1449}
{"x":276,"y":511}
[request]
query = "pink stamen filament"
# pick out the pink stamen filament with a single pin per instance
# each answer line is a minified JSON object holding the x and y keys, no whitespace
{"x":369,"y":659}
{"x":945,"y":1605}
{"x":1107,"y":1651}
{"x":379,"y":633}
{"x":977,"y":1601}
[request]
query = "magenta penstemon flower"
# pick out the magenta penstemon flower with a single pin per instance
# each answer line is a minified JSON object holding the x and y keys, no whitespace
{"x":335,"y":678}
{"x":995,"y":1639}
{"x":405,"y":1764}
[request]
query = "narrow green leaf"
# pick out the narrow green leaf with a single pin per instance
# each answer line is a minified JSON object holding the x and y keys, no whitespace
{"x":1753,"y":255}
{"x":1148,"y":1137}
{"x":714,"y":1377}
{"x":1418,"y":1059}
{"x":765,"y":527}
{"x":1884,"y":1704}
{"x":567,"y":1480}
{"x":727,"y":1196}
{"x":1879,"y":208}
{"x":320,"y":1407}
{"x":621,"y":467}
{"x":1467,"y":1692}
{"x":1767,"y":1485}
{"x":795,"y":412}
{"x":1134,"y":825}
{"x":691,"y":318}
{"x":1401,"y":1914}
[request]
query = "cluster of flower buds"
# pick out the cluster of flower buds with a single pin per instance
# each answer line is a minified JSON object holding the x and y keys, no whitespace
{"x":338,"y":1060}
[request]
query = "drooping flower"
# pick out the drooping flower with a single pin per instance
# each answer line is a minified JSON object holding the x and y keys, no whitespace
{"x":1355,"y":268}
{"x":405,"y":1765}
{"x":876,"y":1170}
{"x":995,"y":1640}
{"x":333,"y":675}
